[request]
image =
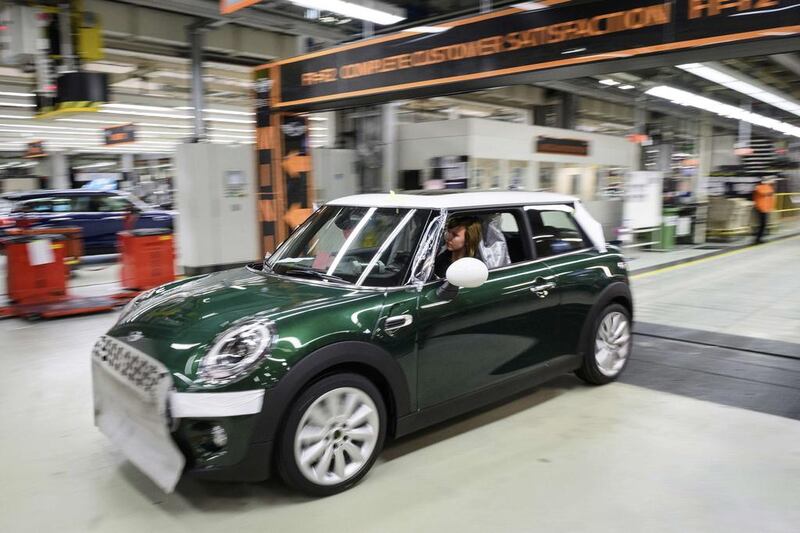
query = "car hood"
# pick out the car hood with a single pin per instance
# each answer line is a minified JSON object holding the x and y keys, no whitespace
{"x":180,"y":320}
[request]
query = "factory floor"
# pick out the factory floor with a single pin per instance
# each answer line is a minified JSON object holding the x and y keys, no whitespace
{"x":700,"y":434}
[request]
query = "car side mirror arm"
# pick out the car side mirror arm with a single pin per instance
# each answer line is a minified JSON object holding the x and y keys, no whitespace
{"x":447,"y":291}
{"x":467,"y":273}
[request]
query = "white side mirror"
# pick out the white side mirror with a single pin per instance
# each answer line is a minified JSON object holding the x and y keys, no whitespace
{"x":467,"y":273}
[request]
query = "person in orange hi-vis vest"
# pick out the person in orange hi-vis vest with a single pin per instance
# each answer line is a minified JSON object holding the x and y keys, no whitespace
{"x":764,"y":199}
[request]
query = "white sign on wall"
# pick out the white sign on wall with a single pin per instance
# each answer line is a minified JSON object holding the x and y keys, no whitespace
{"x":642,"y":205}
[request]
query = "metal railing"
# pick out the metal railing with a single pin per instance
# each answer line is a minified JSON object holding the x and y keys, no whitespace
{"x":787,"y":204}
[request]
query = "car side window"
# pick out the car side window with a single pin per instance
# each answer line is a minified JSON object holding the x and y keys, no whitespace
{"x":391,"y":268}
{"x":61,"y":205}
{"x":81,"y":204}
{"x":555,"y":231}
{"x":37,"y":205}
{"x":110,"y":204}
{"x":494,"y":237}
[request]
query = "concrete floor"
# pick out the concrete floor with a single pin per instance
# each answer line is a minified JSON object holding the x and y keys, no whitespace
{"x":565,"y":458}
{"x":753,"y":292}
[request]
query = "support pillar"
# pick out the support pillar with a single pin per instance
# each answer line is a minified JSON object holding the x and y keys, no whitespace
{"x":705,"y":153}
{"x":126,"y":167}
{"x":196,"y":39}
{"x":389,"y":137}
{"x":126,"y":162}
{"x":68,"y":63}
{"x":59,"y":171}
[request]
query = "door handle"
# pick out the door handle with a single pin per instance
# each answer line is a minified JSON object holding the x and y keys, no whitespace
{"x":395,"y":323}
{"x":543,"y":289}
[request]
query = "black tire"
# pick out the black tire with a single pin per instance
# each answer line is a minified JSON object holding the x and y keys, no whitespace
{"x":285,"y":458}
{"x":590,"y":371}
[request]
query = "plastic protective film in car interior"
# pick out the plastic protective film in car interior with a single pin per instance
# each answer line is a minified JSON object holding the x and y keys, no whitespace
{"x":426,"y":254}
{"x":493,"y":246}
{"x":592,"y":228}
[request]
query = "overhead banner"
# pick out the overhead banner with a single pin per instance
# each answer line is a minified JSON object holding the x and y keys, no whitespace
{"x":531,"y":36}
{"x":124,"y":133}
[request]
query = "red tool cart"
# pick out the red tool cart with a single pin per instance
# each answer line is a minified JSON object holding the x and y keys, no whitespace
{"x":37,"y":280}
{"x":36,"y":270}
{"x":148,"y":258}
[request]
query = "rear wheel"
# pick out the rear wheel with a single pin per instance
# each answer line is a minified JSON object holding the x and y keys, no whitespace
{"x":333,"y":434}
{"x":609,"y":347}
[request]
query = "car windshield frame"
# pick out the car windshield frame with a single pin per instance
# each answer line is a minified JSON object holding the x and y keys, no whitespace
{"x":363,"y":219}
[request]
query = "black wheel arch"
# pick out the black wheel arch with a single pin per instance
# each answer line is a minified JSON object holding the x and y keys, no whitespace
{"x":358,"y":357}
{"x":617,"y":292}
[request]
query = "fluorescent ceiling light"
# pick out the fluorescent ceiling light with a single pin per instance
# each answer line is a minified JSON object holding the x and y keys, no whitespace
{"x":742,"y":84}
{"x":227,"y":112}
{"x":627,"y":87}
{"x":427,"y":29}
{"x":689,"y":99}
{"x":530,"y":6}
{"x":20,"y":95}
{"x":108,"y":123}
{"x":96,"y":165}
{"x":383,"y":14}
{"x":228,"y":120}
{"x":171,"y":74}
{"x":609,"y":82}
{"x":232,"y":130}
{"x":154,"y":125}
{"x":110,"y":68}
{"x":137,"y":107}
{"x":220,"y":111}
{"x":142,"y":114}
{"x":15,"y":104}
{"x":156,"y":133}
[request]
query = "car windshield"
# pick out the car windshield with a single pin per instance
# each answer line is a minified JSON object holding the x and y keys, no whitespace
{"x":361,"y":245}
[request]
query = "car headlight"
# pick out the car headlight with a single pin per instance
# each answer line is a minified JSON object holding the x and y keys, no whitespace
{"x":236,"y":352}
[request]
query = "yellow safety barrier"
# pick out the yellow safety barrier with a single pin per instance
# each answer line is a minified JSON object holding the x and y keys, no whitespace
{"x":787,"y":202}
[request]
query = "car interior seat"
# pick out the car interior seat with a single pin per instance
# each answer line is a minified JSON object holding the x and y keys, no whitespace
{"x":494,"y":247}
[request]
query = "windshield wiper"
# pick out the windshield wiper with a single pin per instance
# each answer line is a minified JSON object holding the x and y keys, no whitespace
{"x":316,"y":273}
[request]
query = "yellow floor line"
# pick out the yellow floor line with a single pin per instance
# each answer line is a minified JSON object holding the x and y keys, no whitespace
{"x":713,"y":257}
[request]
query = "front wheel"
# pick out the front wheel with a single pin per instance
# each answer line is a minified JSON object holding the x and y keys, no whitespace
{"x":609,"y":347}
{"x":333,"y":435}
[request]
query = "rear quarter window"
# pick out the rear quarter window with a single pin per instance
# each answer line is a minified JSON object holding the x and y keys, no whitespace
{"x":555,"y":231}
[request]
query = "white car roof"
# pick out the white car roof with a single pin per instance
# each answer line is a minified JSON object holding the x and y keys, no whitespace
{"x":453,"y":200}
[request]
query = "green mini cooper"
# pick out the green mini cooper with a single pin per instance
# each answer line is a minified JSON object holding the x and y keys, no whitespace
{"x":382,"y":314}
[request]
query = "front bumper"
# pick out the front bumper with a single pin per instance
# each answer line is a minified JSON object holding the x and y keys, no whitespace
{"x":162,"y":431}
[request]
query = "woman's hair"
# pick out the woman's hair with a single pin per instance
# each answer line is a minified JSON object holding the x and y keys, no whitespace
{"x":472,"y":233}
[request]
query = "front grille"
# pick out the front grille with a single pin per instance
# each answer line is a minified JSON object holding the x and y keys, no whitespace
{"x":129,"y":365}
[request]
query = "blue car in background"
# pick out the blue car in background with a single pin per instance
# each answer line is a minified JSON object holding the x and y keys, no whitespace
{"x":99,"y":214}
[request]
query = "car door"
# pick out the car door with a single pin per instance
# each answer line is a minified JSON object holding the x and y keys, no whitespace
{"x":83,"y":214}
{"x":578,"y":274}
{"x":61,"y":212}
{"x":36,"y":212}
{"x":109,"y":219}
{"x":487,"y":334}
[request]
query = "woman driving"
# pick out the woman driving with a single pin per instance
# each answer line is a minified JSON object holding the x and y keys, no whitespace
{"x":462,"y":239}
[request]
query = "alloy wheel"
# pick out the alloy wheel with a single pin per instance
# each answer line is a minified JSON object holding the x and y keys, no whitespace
{"x":613,"y":343}
{"x":336,"y":436}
